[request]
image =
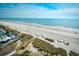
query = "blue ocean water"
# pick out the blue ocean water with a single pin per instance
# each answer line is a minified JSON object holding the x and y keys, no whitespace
{"x":72,"y":23}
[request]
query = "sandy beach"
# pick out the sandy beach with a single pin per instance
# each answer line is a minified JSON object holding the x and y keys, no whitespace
{"x":57,"y":33}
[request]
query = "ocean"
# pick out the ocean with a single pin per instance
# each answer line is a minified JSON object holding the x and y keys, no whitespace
{"x":71,"y":23}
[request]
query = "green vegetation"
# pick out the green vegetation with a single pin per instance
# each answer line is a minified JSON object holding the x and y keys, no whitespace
{"x":72,"y":53}
{"x":0,"y":46}
{"x":14,"y":44}
{"x":15,"y":32}
{"x":25,"y":53}
{"x":2,"y":26}
{"x":48,"y":48}
{"x":11,"y":31}
{"x":51,"y":40}
{"x":25,"y":37}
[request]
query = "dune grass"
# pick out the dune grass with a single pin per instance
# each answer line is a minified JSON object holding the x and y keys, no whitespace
{"x":24,"y":37}
{"x":50,"y":49}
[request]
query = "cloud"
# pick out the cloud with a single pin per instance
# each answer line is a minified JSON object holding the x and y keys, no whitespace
{"x":32,"y":11}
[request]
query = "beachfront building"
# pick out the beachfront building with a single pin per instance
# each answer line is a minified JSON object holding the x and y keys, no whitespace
{"x":3,"y":38}
{"x":7,"y":36}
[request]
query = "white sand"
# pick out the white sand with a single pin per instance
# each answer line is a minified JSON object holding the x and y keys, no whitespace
{"x":54,"y":32}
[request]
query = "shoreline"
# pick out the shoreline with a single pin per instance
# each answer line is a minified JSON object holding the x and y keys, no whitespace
{"x":48,"y":32}
{"x":44,"y":25}
{"x":41,"y":25}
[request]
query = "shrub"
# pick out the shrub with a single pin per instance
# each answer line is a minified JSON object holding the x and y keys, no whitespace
{"x":72,"y":53}
{"x":25,"y":53}
{"x":51,"y":40}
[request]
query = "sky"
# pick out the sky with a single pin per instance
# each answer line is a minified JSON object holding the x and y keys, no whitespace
{"x":39,"y":10}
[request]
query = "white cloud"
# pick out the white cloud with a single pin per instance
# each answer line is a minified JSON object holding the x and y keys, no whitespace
{"x":40,"y":12}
